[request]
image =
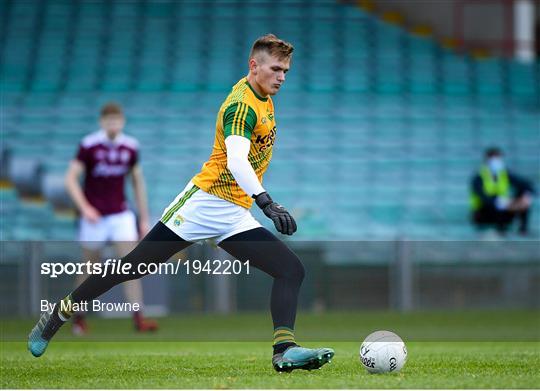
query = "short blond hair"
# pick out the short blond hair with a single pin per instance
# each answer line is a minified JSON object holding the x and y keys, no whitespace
{"x":272,"y":45}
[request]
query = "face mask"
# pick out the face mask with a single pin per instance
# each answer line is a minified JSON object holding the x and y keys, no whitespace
{"x":495,"y":164}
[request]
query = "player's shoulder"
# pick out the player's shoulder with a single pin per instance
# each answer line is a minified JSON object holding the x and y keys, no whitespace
{"x":99,"y":137}
{"x":92,"y":139}
{"x":242,"y":92}
{"x":238,"y":93}
{"x":128,"y":141}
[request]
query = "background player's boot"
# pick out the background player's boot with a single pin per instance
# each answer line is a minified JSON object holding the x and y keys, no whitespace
{"x":38,"y":339}
{"x":143,"y":325}
{"x":79,"y":326}
{"x":297,"y":357}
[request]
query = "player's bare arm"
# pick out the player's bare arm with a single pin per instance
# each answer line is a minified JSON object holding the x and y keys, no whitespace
{"x":74,"y":172}
{"x":141,"y":199}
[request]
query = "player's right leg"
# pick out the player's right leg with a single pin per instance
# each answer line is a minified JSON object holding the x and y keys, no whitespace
{"x":157,"y":246}
{"x":269,"y":254}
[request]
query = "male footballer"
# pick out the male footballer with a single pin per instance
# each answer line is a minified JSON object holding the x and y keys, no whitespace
{"x":215,"y":204}
{"x":106,"y":158}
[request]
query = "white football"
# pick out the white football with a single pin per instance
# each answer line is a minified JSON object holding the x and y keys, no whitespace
{"x":382,"y":352}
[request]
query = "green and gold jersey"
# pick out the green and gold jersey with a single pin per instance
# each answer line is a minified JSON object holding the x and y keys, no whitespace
{"x":244,"y":113}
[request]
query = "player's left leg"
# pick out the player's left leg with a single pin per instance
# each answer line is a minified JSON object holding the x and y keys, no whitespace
{"x":269,"y":254}
{"x":157,"y":246}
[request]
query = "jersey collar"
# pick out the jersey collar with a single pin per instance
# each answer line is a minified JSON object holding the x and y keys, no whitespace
{"x":107,"y":140}
{"x":255,"y":93}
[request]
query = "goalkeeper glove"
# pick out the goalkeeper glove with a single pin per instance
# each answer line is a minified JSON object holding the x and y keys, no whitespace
{"x":282,"y":219}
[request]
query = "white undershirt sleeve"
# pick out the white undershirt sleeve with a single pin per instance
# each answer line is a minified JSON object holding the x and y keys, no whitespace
{"x":240,"y":167}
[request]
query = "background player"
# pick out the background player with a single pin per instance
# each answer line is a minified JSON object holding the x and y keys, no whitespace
{"x":215,"y":204}
{"x":105,"y":158}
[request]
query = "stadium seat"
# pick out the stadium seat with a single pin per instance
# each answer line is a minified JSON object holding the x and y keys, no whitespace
{"x":26,"y":174}
{"x":379,"y":129}
{"x":54,"y":190}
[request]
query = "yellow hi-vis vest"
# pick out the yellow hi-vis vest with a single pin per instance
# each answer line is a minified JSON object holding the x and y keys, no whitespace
{"x":492,"y":188}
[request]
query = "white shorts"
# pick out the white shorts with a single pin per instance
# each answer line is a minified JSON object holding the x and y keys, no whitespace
{"x":196,"y":215}
{"x":117,"y":227}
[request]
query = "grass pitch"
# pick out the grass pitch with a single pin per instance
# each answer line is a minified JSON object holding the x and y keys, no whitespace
{"x":158,"y":361}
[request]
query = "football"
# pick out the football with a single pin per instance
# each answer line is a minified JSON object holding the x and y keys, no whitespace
{"x":382,"y":352}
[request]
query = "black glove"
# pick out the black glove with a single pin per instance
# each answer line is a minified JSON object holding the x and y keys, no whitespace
{"x":283,"y":221}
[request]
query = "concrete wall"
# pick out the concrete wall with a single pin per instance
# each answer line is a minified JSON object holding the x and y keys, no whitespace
{"x":483,"y":21}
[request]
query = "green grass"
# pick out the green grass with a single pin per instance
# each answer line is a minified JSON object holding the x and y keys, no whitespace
{"x":159,"y":361}
{"x":247,"y":365}
{"x":486,"y":325}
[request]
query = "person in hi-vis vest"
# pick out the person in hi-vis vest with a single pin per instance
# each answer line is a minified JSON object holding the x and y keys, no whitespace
{"x":498,"y":195}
